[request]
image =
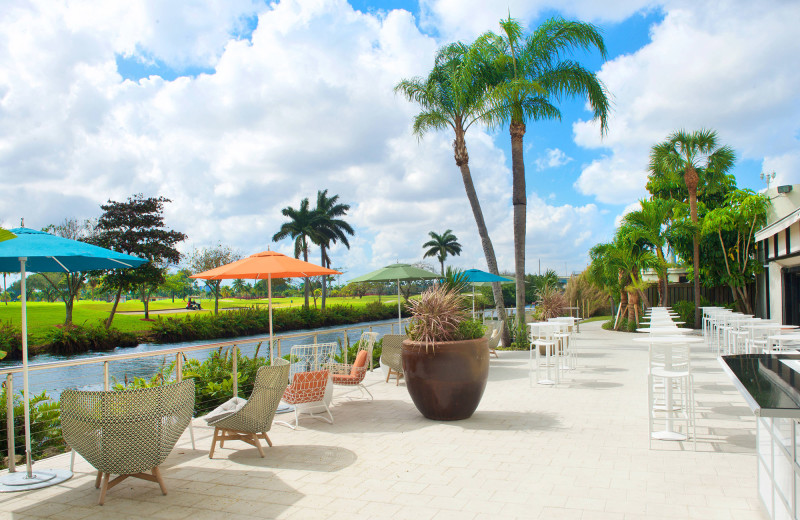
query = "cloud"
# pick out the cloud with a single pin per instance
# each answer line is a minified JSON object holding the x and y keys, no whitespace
{"x":729,"y":66}
{"x":630,"y":208}
{"x":552,"y":158}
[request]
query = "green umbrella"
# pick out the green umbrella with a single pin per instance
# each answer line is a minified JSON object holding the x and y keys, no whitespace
{"x":397,"y":272}
{"x":6,"y":235}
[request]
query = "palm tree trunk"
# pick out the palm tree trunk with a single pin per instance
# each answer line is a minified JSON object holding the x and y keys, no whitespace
{"x":462,"y":161}
{"x":114,"y":308}
{"x":691,"y":179}
{"x":662,"y":278}
{"x":324,"y":277}
{"x":519,"y":200}
{"x":306,"y":291}
{"x":441,"y":261}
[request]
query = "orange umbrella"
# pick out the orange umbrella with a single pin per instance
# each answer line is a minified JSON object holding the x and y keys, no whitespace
{"x":265,"y":265}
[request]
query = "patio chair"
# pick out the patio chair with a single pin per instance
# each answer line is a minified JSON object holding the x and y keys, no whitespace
{"x":392,"y":355}
{"x":307,"y":394}
{"x":250,"y":420}
{"x":351,"y":375}
{"x":128,"y":432}
{"x":493,"y":335}
{"x":367,"y":342}
{"x":308,"y":358}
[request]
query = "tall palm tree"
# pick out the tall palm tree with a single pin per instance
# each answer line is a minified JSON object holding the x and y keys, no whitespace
{"x":531,"y":75}
{"x":452,"y":97}
{"x":689,"y":153}
{"x":649,"y":223}
{"x":442,"y":245}
{"x":329,"y":229}
{"x":300,"y":227}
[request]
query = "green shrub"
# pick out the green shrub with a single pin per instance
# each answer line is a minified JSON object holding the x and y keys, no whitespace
{"x":685,"y":310}
{"x":46,"y":439}
{"x":81,"y":338}
{"x":352,"y":352}
{"x":471,"y":329}
{"x":519,"y":338}
{"x":624,"y":326}
{"x":10,"y":340}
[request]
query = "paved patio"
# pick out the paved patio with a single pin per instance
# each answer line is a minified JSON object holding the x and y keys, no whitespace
{"x":579,"y":450}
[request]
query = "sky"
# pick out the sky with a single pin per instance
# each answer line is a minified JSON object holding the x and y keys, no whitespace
{"x":235,"y":109}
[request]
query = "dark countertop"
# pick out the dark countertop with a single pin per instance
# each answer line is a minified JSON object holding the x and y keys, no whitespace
{"x":770,"y":383}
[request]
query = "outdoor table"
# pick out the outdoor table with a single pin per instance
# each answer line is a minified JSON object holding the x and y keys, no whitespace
{"x":554,"y":326}
{"x":667,"y":341}
{"x":665,"y":331}
{"x":780,"y":338}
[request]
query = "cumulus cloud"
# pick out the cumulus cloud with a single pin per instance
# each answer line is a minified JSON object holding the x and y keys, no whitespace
{"x":730,"y":66}
{"x":552,"y":158}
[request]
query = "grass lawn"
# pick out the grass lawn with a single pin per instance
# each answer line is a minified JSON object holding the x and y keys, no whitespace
{"x":597,"y":318}
{"x":42,"y":315}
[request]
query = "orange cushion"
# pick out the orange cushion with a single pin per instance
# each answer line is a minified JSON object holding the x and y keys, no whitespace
{"x":360,"y":362}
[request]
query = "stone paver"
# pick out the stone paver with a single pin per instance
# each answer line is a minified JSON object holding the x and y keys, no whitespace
{"x":579,"y":450}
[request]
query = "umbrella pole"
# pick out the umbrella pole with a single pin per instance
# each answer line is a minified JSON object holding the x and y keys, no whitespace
{"x":399,"y":314}
{"x":473,"y":301}
{"x":23,"y":290}
{"x":269,"y":294}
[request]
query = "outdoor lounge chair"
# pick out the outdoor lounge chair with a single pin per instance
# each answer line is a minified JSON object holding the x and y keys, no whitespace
{"x":126,"y":432}
{"x":493,"y":335}
{"x":307,"y":394}
{"x":250,"y":420}
{"x":351,"y":375}
{"x":392,"y":355}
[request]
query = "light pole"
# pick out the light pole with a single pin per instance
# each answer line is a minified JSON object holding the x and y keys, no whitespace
{"x":767,"y":177}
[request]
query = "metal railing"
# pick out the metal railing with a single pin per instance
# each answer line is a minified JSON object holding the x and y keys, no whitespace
{"x":180,"y":354}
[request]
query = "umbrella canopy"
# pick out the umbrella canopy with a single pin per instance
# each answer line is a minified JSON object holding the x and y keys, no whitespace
{"x":265,"y":265}
{"x":6,"y":235}
{"x":478,"y":277}
{"x":37,"y":251}
{"x":397,"y":272}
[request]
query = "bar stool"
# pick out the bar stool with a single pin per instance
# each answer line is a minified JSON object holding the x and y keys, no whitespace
{"x":543,"y":340}
{"x":670,"y":390}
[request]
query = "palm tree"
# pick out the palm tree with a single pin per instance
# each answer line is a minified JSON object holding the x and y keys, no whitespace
{"x":300,"y":227}
{"x":329,"y":229}
{"x":649,"y":224}
{"x":689,"y":153}
{"x":452,"y":97}
{"x":441,"y":246}
{"x":530,"y":76}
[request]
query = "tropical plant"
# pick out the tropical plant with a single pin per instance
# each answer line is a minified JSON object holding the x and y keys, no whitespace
{"x":329,"y":228}
{"x":650,"y":223}
{"x":455,"y":280}
{"x":300,"y":228}
{"x":551,"y":302}
{"x":528,"y":78}
{"x":735,"y":223}
{"x":692,"y":154}
{"x":440,"y":246}
{"x":451,"y":98}
{"x":437,"y":316}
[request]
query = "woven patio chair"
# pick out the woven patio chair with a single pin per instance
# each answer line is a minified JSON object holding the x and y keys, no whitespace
{"x":251,"y":420}
{"x":493,"y":335}
{"x":351,"y":375}
{"x":128,"y":432}
{"x":392,"y":355}
{"x":307,"y":395}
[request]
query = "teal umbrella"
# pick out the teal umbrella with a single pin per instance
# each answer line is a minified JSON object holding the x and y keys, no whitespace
{"x":397,"y":272}
{"x":40,"y":252}
{"x":478,"y":277}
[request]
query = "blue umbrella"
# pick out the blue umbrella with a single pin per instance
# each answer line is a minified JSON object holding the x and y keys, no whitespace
{"x":40,"y":252}
{"x":478,"y":277}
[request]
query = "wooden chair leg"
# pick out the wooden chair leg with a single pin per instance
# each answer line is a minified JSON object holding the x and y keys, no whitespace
{"x":213,"y":443}
{"x":257,"y":444}
{"x":157,"y":475}
{"x":266,"y":438}
{"x":98,"y":479}
{"x":388,"y":375}
{"x":397,"y":379}
{"x":104,"y":488}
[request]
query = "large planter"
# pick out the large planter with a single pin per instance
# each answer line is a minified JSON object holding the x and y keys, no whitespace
{"x":446,"y":383}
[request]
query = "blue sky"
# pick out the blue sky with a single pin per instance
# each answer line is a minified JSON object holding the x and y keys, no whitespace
{"x":235,"y":109}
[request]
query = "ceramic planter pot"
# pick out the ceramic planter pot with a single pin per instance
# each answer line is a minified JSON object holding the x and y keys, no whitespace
{"x":447,"y":382}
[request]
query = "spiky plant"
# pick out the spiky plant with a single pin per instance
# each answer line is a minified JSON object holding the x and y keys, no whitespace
{"x":436,"y":316}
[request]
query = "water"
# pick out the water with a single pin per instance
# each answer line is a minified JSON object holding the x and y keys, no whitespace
{"x":90,"y":377}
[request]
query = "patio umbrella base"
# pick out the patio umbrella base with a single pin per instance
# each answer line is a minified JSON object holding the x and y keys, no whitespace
{"x":41,"y":478}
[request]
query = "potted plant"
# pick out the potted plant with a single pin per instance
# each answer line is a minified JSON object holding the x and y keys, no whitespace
{"x":446,"y":358}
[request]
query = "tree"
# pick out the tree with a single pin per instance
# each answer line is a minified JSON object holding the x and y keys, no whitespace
{"x":329,"y":229}
{"x":240,"y":287}
{"x":68,"y":285}
{"x":300,"y":227}
{"x":442,"y":245}
{"x":178,"y":283}
{"x":136,"y":227}
{"x":529,"y":77}
{"x":691,"y":153}
{"x":736,"y":223}
{"x":209,"y":258}
{"x":452,"y":98}
{"x":649,"y":223}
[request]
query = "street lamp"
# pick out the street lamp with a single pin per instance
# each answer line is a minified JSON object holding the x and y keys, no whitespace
{"x":767,"y":177}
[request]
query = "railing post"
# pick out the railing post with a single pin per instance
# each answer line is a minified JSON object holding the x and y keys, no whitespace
{"x":105,"y":376}
{"x":12,"y":456}
{"x":235,"y":374}
{"x":279,"y":348}
{"x":315,"y":338}
{"x":178,"y":367}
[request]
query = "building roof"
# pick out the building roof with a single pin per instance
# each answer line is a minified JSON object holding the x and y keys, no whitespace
{"x":778,"y":226}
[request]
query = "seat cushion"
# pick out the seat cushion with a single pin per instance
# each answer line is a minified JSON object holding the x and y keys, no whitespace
{"x":226,"y":409}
